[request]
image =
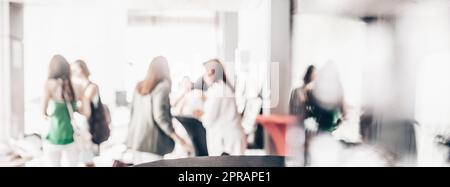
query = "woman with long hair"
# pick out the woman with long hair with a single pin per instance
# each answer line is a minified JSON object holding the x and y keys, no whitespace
{"x":83,"y":86}
{"x":58,"y":94}
{"x":92,"y":108}
{"x":151,"y":128}
{"x":301,"y":96}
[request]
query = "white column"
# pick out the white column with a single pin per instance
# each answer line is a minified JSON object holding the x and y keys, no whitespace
{"x":253,"y":55}
{"x":228,"y":29}
{"x":16,"y":70}
{"x":5,"y":112}
{"x":228,"y":41}
{"x":280,"y":54}
{"x":264,"y":38}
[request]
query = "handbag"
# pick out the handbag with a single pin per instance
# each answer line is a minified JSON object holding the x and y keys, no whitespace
{"x":79,"y":135}
{"x":99,"y":121}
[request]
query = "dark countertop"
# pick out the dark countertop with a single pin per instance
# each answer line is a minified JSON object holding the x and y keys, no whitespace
{"x":223,"y":161}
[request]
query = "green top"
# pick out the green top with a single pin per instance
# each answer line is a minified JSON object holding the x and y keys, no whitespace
{"x":327,"y":119}
{"x":61,"y":131}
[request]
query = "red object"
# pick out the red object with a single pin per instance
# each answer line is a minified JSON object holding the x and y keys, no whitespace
{"x":276,"y":126}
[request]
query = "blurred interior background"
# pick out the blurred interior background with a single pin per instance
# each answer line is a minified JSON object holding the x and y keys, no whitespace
{"x":393,"y":56}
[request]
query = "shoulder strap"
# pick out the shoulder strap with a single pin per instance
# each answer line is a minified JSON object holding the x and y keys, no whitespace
{"x":99,"y":102}
{"x":69,"y":107}
{"x":87,"y":86}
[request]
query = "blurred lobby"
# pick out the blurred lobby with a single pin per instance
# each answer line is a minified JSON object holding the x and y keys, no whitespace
{"x":392,"y":59}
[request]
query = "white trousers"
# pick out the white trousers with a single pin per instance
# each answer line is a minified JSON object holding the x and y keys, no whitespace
{"x":221,"y":141}
{"x":54,"y":155}
{"x":84,"y":143}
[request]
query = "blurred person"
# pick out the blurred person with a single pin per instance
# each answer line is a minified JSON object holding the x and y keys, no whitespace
{"x":200,"y":84}
{"x":189,"y":99}
{"x":301,"y":105}
{"x":185,"y":87}
{"x":91,"y":108}
{"x":300,"y":96}
{"x":187,"y":102}
{"x":224,"y":133}
{"x":328,"y":105}
{"x":321,"y":108}
{"x":179,"y":100}
{"x":59,"y":141}
{"x":151,"y":129}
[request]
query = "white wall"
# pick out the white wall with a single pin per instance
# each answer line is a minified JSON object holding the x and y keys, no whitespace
{"x":118,"y":54}
{"x":77,"y":30}
{"x":424,"y":30}
{"x":424,"y":35}
{"x":378,"y":64}
{"x":92,"y":33}
{"x":318,"y":39}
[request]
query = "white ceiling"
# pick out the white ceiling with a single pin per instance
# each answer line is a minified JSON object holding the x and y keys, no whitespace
{"x":185,"y":5}
{"x":159,"y":5}
{"x":358,"y":8}
{"x":346,"y":7}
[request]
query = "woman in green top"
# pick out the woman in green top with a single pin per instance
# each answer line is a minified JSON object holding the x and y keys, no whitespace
{"x":58,"y":90}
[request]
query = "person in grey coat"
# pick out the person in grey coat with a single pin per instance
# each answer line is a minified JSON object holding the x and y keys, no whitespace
{"x":150,"y":128}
